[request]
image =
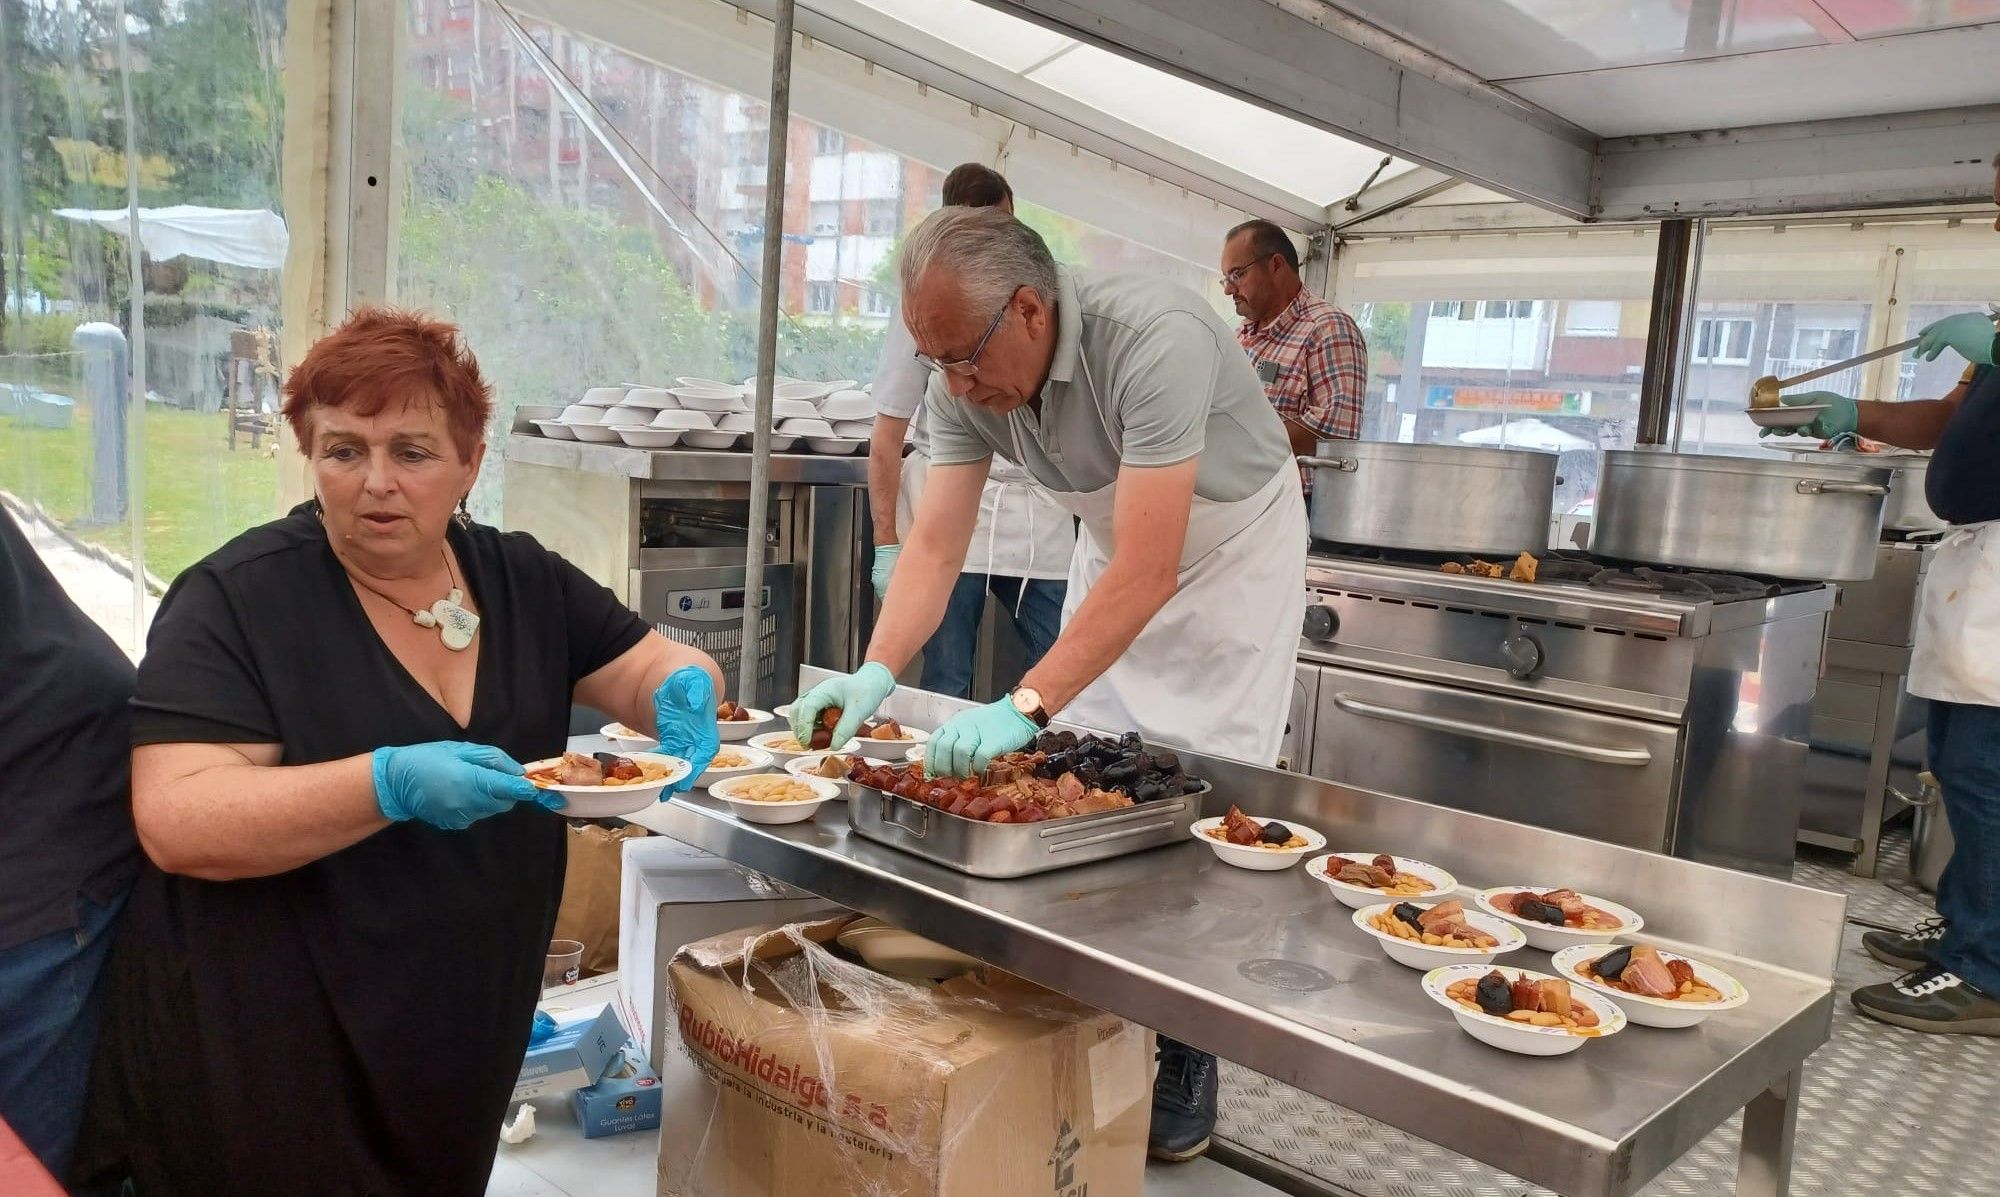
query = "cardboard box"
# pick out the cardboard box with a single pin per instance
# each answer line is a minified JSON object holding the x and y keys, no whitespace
{"x":574,"y":1056}
{"x":625,"y":1098}
{"x":827,"y":1084}
{"x":673,"y":894}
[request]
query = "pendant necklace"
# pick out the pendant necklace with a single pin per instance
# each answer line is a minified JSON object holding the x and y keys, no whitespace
{"x":455,"y":625}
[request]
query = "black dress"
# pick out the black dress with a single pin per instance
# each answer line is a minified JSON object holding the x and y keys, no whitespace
{"x":355,"y":1025}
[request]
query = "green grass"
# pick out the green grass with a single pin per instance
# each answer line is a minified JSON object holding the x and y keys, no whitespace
{"x":197,"y":493}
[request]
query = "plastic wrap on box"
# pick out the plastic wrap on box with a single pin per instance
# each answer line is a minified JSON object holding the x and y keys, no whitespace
{"x":828,"y":1079}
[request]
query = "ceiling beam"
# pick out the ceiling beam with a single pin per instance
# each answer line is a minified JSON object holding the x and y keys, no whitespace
{"x":1919,"y":158}
{"x":1307,"y":60}
{"x":1413,"y":186}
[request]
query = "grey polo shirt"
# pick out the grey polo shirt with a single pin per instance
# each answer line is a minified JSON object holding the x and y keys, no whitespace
{"x":1144,"y":374}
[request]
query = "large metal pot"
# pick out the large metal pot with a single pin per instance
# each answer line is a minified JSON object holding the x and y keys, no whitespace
{"x":1907,"y":509}
{"x":1790,"y":519}
{"x":1434,"y":498}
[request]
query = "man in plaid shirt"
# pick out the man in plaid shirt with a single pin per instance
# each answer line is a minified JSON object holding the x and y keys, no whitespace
{"x":1310,"y":355}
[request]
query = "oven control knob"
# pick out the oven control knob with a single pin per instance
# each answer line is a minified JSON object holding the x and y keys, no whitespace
{"x":1521,"y":656}
{"x":1322,"y":623}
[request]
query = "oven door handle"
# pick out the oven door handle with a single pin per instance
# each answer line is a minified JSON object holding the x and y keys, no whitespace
{"x":1636,"y":758}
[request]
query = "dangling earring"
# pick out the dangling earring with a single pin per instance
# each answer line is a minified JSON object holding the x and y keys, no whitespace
{"x":463,"y":516}
{"x":318,"y":512}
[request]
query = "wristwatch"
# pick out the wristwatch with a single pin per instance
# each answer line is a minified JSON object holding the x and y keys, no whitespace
{"x":1029,"y":703}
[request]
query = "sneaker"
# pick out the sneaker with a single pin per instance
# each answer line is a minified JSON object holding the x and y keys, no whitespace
{"x":1183,"y":1103}
{"x":1907,"y":950}
{"x":1931,"y":999}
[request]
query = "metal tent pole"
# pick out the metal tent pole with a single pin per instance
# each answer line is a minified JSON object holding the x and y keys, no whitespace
{"x":767,"y":352}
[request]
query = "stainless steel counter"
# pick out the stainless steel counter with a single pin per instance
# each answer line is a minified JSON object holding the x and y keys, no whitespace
{"x":683,"y":465}
{"x":1265,"y":969}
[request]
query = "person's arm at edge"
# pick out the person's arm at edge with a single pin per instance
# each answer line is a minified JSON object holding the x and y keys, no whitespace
{"x":1915,"y":424}
{"x":930,"y":562}
{"x":624,"y":688}
{"x":885,"y":475}
{"x":1149,"y":524}
{"x":223,"y":812}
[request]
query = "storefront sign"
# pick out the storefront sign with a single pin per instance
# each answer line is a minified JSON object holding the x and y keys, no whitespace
{"x":1561,"y":403}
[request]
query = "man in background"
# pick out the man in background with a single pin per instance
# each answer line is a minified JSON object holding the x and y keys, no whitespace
{"x":1309,"y":355}
{"x":1022,"y":543}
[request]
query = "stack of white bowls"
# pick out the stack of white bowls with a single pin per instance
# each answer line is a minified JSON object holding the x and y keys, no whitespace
{"x":703,"y":413}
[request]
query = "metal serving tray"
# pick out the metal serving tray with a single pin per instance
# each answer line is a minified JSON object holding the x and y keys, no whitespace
{"x":1018,"y":849}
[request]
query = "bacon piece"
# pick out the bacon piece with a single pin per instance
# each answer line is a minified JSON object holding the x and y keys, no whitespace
{"x":1553,"y":997}
{"x":577,"y":769}
{"x":1647,"y":974}
{"x":1239,"y":828}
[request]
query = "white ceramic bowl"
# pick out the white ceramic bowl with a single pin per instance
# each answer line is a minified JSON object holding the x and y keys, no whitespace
{"x":652,"y":398}
{"x":683,"y":421}
{"x":625,"y":737}
{"x":768,"y":741}
{"x":706,"y":384}
{"x":793,"y":409}
{"x":698,"y":400}
{"x":602,"y":396}
{"x":736,"y":730}
{"x":835,"y":446}
{"x":1552,"y":938}
{"x":1357,"y":896}
{"x":1255,"y":856}
{"x":780,"y":444}
{"x":733,"y":421}
{"x":802,"y":766}
{"x":758,"y":759}
{"x":915,"y":755}
{"x":599,"y":802}
{"x":555,"y":430}
{"x":626,"y":415}
{"x":582,"y":413}
{"x":1519,"y":1037}
{"x":813,"y":427}
{"x":807,"y":392}
{"x":1422,"y":955}
{"x":601,"y":434}
{"x":1652,"y":1011}
{"x":751,"y":811}
{"x":708,"y":438}
{"x":848,"y":405}
{"x":649,"y":438}
{"x":892,"y":750}
{"x":854,"y":429}
{"x":538,"y":411}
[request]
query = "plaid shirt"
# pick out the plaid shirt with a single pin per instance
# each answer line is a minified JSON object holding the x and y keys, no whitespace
{"x":1321,"y":362}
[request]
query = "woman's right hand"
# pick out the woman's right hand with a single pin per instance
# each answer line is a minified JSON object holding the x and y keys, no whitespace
{"x":451,"y":784}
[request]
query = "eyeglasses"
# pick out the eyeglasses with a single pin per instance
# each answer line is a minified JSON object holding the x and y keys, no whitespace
{"x":1232,"y":277}
{"x":968,"y":365}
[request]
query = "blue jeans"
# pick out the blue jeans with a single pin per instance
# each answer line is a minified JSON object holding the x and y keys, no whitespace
{"x":949,"y":655}
{"x":1965,"y":755}
{"x":49,"y":999}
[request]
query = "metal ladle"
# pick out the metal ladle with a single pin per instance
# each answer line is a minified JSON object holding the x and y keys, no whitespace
{"x":1764,"y":392}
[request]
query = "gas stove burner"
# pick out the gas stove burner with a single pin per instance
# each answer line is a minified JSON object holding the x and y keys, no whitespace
{"x":1570,"y":567}
{"x":1719,"y":588}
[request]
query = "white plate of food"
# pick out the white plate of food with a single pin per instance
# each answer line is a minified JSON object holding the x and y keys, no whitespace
{"x":1373,"y":876}
{"x":624,"y":782}
{"x":734,"y":721}
{"x":625,"y":737}
{"x":784,"y":748}
{"x":555,"y":430}
{"x":1585,"y":918}
{"x":888,"y":740}
{"x":1654,"y":987}
{"x":774,"y":797}
{"x":1515,"y":1010}
{"x":1265,"y":845}
{"x":826,"y":766}
{"x":733,"y":760}
{"x":901,"y":953}
{"x":1441,"y":934}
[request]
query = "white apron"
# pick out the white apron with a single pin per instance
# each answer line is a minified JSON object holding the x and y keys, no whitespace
{"x":1957,"y":652}
{"x":1212,"y":671}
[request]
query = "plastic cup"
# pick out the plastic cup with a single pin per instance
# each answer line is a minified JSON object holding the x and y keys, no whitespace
{"x":564,"y":963}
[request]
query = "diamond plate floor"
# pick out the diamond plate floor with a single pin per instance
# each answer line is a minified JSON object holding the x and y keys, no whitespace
{"x":1886,"y":1111}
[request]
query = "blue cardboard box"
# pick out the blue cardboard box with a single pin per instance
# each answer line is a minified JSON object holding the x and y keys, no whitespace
{"x":625,"y":1098}
{"x":574,"y":1056}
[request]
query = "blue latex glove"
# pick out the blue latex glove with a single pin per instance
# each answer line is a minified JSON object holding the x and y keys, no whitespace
{"x":684,"y":722}
{"x":969,"y":740}
{"x":543,"y":1030}
{"x":857,"y":694}
{"x":1841,"y":417}
{"x":885,"y":565}
{"x":1970,"y":334}
{"x":450,"y":784}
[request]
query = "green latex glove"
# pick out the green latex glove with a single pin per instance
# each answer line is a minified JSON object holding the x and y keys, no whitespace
{"x":1841,"y":417}
{"x":1970,"y":334}
{"x":885,"y":565}
{"x":969,"y":740}
{"x":857,"y":694}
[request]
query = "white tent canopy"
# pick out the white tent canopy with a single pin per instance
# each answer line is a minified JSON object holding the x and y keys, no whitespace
{"x":233,"y":236}
{"x":1528,"y":433}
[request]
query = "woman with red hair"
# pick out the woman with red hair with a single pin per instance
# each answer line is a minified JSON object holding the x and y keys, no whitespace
{"x":327,"y":981}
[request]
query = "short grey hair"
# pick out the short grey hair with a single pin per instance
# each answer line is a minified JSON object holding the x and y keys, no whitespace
{"x":990,"y":253}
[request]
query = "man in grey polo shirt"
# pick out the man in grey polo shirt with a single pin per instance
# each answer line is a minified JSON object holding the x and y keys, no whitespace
{"x":1128,"y":399}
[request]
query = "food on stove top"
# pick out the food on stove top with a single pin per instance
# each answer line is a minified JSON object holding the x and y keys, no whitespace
{"x":1380,"y":874}
{"x":771,"y":788}
{"x":1556,"y":908}
{"x":832,"y":767}
{"x":1440,"y":926}
{"x":1124,"y":765}
{"x":597,"y":769}
{"x":733,"y":712}
{"x":1522,"y":999}
{"x":1522,"y":570}
{"x":1641,"y":970}
{"x":1010,"y":792}
{"x":1245,"y":832}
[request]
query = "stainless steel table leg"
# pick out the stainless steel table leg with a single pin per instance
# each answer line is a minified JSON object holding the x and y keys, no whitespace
{"x":1764,"y":1159}
{"x":1880,"y":752}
